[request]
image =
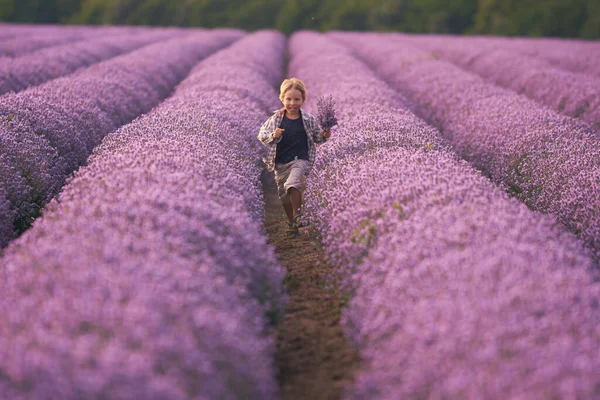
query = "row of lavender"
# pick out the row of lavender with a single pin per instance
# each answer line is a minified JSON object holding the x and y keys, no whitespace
{"x":548,"y":161}
{"x":573,"y":94}
{"x":49,"y":63}
{"x":459,"y":290}
{"x":11,"y":30}
{"x":18,"y":40}
{"x":47,"y":131}
{"x":150,"y":276}
{"x":571,"y":55}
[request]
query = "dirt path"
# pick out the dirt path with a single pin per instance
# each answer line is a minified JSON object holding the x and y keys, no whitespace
{"x":314,"y":360}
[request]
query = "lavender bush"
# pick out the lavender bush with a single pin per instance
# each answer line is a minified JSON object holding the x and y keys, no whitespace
{"x":326,"y":112}
{"x":572,"y":55}
{"x":11,"y":30}
{"x":6,"y":213}
{"x":48,"y":131}
{"x":46,"y":64}
{"x":6,"y":33}
{"x":546,"y":160}
{"x":458,"y":290}
{"x":570,"y":93}
{"x":366,"y":108}
{"x":24,"y":43}
{"x":150,"y":275}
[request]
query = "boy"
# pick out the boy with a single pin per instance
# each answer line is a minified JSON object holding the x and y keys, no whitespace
{"x":291,"y":136}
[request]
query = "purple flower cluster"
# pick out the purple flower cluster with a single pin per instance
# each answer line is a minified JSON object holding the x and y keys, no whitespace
{"x":50,"y":63}
{"x":47,"y":131}
{"x":28,"y":40}
{"x":548,"y":161}
{"x":365,"y":109}
{"x":572,"y":55}
{"x":8,"y":30}
{"x":570,"y":93}
{"x":150,"y":275}
{"x":458,"y":290}
{"x":326,"y":112}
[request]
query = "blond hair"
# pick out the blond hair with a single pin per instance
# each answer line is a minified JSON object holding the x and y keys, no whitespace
{"x":292,"y":83}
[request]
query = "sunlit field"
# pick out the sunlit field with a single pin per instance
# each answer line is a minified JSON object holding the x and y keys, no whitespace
{"x":458,"y":200}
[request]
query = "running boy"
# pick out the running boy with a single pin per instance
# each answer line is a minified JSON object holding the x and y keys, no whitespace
{"x":291,"y":135}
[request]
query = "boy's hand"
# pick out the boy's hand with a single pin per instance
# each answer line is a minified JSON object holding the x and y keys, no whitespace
{"x":278,"y":132}
{"x":326,"y":134}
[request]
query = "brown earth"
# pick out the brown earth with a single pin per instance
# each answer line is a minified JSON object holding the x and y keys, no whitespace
{"x":313,"y":359}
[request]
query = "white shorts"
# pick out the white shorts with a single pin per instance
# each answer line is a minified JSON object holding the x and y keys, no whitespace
{"x":290,"y":175}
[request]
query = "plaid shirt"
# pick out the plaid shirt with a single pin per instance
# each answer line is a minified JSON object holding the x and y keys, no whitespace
{"x":313,"y":133}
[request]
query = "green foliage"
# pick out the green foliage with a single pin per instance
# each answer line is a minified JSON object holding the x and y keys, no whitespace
{"x":92,"y":12}
{"x":591,"y":27}
{"x":43,"y":11}
{"x":364,"y":234}
{"x":273,"y":316}
{"x":256,"y":14}
{"x":398,"y":207}
{"x":322,"y":200}
{"x":7,"y":8}
{"x":562,"y":18}
{"x":299,"y":14}
{"x":439,"y":16}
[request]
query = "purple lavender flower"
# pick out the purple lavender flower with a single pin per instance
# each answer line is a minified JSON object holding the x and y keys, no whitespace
{"x":48,"y":131}
{"x":547,"y":160}
{"x":326,"y":112}
{"x":150,"y":276}
{"x":574,"y":55}
{"x":570,"y":93}
{"x":22,"y":44}
{"x":459,"y":291}
{"x":17,"y":40}
{"x":49,"y":63}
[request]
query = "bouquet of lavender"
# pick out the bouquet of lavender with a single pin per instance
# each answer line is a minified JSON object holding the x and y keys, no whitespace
{"x":326,"y":113}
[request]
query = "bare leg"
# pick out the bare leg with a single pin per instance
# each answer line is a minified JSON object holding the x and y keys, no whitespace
{"x":289,"y":210}
{"x":296,"y":200}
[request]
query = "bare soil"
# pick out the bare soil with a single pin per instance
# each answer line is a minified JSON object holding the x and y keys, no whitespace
{"x":313,"y":359}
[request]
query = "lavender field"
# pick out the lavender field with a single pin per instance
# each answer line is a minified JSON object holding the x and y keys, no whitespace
{"x":458,"y":200}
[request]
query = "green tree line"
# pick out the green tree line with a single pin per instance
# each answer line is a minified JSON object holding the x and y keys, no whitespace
{"x":559,"y":18}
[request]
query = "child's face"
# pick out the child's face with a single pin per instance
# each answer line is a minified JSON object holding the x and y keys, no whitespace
{"x":292,"y":101}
